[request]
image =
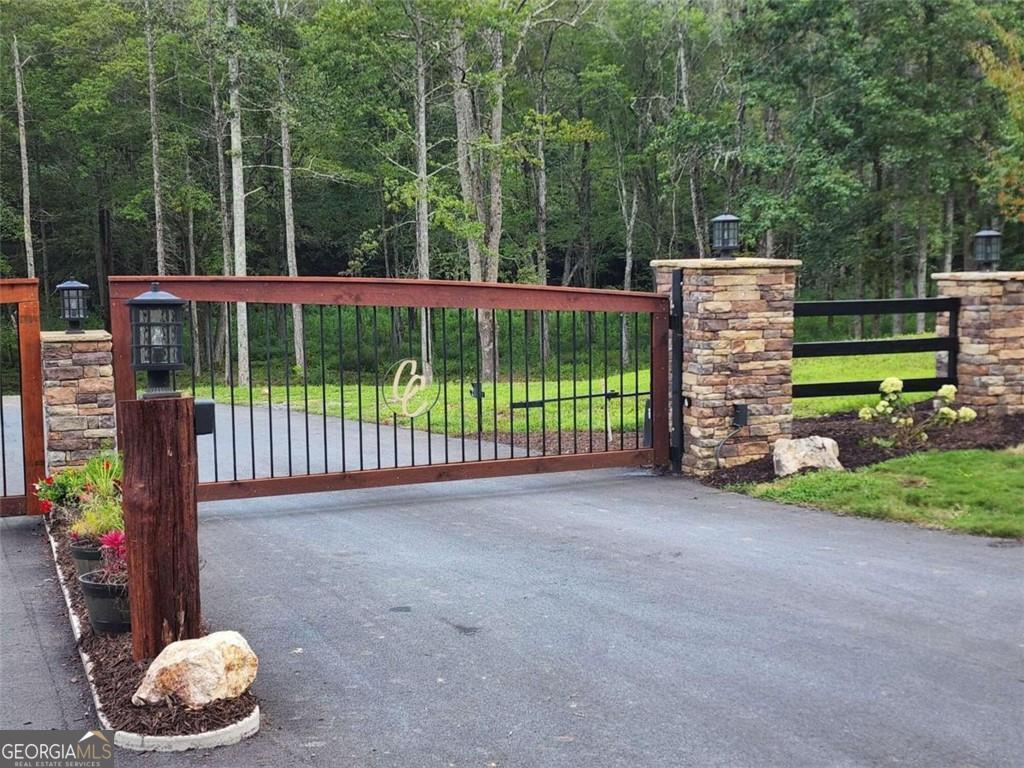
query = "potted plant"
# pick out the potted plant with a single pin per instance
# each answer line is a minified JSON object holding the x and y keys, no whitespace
{"x":106,"y":589}
{"x":99,"y":516}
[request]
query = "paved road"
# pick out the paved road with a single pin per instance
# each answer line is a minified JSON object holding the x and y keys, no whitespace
{"x":586,"y":619}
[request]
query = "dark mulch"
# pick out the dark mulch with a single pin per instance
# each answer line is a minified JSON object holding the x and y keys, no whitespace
{"x":857,"y":450}
{"x":117,"y":676}
{"x":552,"y":443}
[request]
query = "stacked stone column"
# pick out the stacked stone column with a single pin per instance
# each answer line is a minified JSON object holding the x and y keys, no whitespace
{"x":990,"y":368}
{"x":737,"y":349}
{"x":78,"y":396}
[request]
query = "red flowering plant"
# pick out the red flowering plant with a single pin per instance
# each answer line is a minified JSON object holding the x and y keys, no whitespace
{"x":60,"y":492}
{"x":114,"y":549}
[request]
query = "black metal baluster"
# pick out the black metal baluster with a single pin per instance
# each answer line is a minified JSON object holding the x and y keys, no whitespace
{"x":623,"y":335}
{"x":394,"y":416}
{"x":213,"y":389}
{"x":638,"y":417}
{"x":288,"y":392}
{"x":341,"y":385}
{"x":511,"y":393}
{"x":267,"y":317}
{"x":575,"y":402}
{"x":427,"y":319}
{"x":376,"y":380}
{"x":526,"y":374}
{"x":444,"y":358}
{"x":607,"y":400}
{"x":590,"y":376}
{"x":479,"y":387}
{"x":541,"y":333}
{"x":462,"y":384}
{"x":193,"y":348}
{"x":231,"y":389}
{"x":252,"y":418}
{"x":558,"y":373}
{"x":305,"y":382}
{"x":494,"y":377}
{"x":323,"y":383}
{"x":359,"y":383}
{"x":412,"y":421}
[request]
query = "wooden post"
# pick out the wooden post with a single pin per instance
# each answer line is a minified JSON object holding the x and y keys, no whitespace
{"x":161,"y":525}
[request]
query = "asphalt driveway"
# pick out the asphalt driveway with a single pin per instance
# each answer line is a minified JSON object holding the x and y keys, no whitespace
{"x":587,"y":619}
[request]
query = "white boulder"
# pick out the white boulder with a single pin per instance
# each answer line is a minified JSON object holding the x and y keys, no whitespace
{"x":197,"y":672}
{"x":813,"y":452}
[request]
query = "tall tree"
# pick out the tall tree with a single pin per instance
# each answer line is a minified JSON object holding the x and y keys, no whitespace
{"x":238,"y":188}
{"x":26,"y":197}
{"x":154,"y":133}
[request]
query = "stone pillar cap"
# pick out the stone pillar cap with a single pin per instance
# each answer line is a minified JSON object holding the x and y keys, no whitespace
{"x":63,"y":337}
{"x":744,"y":262}
{"x":973,"y":277}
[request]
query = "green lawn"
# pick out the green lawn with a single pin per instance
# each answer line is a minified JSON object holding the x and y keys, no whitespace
{"x":907,"y":365}
{"x":970,"y":491}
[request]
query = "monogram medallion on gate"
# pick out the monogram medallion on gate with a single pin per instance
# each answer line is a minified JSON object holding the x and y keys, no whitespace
{"x":409,"y":389}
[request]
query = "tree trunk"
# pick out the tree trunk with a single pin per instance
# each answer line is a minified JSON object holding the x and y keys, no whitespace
{"x":586,"y":237}
{"x":947,"y":255}
{"x":898,"y":274}
{"x":298,"y":327}
{"x":154,"y":135}
{"x":26,"y":206}
{"x":921,"y":268}
{"x":227,"y":256}
{"x":422,"y":190}
{"x":238,"y":192}
{"x":466,"y":136}
{"x":629,"y":220}
{"x":697,"y":207}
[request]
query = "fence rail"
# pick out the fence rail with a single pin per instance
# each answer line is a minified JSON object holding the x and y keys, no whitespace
{"x":809,"y":349}
{"x":523,"y":379}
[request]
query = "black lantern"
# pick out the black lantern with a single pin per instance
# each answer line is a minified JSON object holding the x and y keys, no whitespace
{"x":157,"y":322}
{"x":986,"y":248}
{"x":725,"y":235}
{"x":73,"y":307}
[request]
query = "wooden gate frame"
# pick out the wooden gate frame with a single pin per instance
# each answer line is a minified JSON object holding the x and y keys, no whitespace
{"x":25,"y":293}
{"x":417,"y":294}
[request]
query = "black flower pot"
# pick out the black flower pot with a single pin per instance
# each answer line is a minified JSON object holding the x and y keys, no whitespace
{"x":87,"y":558}
{"x":107,"y":603}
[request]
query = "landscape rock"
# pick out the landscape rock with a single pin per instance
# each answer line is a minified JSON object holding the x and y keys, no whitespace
{"x":790,"y":456}
{"x":197,"y":672}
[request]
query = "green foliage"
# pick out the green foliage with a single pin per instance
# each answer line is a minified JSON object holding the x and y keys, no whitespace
{"x":102,"y":474}
{"x":970,"y":491}
{"x":99,"y":515}
{"x":62,"y":489}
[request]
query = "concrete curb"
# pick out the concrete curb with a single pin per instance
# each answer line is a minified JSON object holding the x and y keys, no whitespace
{"x":140,"y":742}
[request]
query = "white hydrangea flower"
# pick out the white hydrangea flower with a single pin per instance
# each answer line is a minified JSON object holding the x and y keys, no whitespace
{"x":891,"y":385}
{"x":947,"y":392}
{"x":966,"y":414}
{"x":947,"y":413}
{"x":866,"y":413}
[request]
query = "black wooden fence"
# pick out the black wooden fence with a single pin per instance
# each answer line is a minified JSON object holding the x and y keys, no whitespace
{"x":865,"y":307}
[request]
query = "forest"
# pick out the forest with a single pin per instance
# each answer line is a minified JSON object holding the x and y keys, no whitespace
{"x":565,"y":142}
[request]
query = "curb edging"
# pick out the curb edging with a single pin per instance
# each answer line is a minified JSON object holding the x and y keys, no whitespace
{"x":141,"y":742}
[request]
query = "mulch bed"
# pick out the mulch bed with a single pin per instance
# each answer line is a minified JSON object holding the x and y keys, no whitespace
{"x":117,"y":676}
{"x":857,"y":450}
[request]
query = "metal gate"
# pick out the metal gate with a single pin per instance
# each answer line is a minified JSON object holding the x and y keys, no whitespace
{"x":390,"y":382}
{"x":22,"y":461}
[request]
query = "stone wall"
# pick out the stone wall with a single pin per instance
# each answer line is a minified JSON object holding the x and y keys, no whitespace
{"x":990,"y":365}
{"x":78,"y":396}
{"x":737,"y":348}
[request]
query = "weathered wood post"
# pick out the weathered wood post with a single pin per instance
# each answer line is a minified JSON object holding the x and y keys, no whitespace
{"x":161,"y":524}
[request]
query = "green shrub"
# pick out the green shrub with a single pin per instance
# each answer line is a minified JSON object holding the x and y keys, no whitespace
{"x":101,"y":476}
{"x":60,"y":490}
